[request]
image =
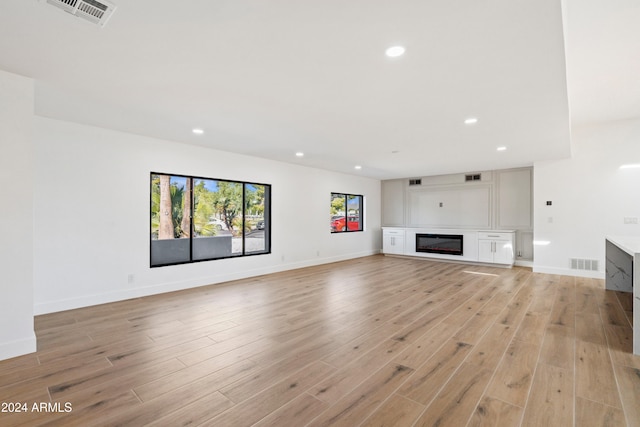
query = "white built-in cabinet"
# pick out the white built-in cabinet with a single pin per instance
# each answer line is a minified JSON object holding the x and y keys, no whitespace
{"x":393,"y":241}
{"x":490,"y":247}
{"x":498,"y":200}
{"x":496,"y":247}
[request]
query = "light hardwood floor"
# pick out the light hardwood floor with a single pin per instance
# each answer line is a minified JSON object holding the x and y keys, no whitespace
{"x":375,"y":341}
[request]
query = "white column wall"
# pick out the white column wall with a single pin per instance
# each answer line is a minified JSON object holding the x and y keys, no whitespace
{"x":92,"y":215}
{"x":16,"y":228}
{"x":590,"y":197}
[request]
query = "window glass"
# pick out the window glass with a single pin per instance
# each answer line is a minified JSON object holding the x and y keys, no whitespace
{"x":346,"y":213}
{"x":195,"y":219}
{"x":170,"y":222}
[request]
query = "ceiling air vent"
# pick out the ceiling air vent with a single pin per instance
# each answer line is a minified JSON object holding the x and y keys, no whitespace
{"x":417,"y":181}
{"x":473,"y":177}
{"x":94,"y":11}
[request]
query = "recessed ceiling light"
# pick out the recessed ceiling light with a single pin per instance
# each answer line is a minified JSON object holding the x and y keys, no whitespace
{"x":630,"y":166}
{"x":299,"y":154}
{"x":358,"y":167}
{"x":197,"y":131}
{"x":395,"y":51}
{"x":502,"y":148}
{"x":471,"y":121}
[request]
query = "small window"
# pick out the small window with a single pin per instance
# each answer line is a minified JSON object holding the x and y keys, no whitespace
{"x":346,"y":213}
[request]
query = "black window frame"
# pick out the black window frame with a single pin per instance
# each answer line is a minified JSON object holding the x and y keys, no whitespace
{"x":191,"y":237}
{"x":346,"y":213}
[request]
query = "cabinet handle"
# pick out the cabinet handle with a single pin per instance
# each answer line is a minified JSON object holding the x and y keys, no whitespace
{"x":493,"y":235}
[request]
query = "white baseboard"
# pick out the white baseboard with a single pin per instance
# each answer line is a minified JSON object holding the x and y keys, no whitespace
{"x":89,"y":300}
{"x":17,"y":348}
{"x":568,"y":272}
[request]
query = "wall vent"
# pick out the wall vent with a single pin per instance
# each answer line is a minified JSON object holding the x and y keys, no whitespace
{"x":583,"y":264}
{"x":473,"y":177}
{"x":417,"y":181}
{"x":94,"y":11}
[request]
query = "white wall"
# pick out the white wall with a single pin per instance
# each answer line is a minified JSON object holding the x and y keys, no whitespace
{"x":92,"y":215}
{"x":591,"y":197}
{"x":16,"y":228}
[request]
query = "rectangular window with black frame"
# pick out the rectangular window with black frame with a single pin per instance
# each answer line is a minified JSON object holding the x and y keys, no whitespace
{"x":200,"y":219}
{"x":346,"y":213}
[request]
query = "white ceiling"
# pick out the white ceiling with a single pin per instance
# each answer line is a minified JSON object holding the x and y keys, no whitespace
{"x":272,"y":77}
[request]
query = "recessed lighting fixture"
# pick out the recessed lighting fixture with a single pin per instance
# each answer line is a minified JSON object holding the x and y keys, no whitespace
{"x":197,"y":131}
{"x":630,"y":166}
{"x":502,"y":148}
{"x":395,"y":51}
{"x":299,"y":154}
{"x":357,"y":167}
{"x":471,"y":121}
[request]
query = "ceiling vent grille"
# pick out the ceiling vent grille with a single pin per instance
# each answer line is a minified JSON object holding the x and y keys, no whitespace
{"x":94,"y":11}
{"x":473,"y":177}
{"x":417,"y":181}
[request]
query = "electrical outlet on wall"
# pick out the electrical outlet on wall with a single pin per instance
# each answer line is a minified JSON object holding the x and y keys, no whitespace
{"x":630,"y":220}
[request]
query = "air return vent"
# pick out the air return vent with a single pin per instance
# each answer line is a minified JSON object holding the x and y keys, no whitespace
{"x":416,"y":181}
{"x":473,"y":177}
{"x":94,"y":11}
{"x":583,"y":264}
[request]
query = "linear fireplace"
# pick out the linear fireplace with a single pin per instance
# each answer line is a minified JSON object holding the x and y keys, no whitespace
{"x":450,"y":244}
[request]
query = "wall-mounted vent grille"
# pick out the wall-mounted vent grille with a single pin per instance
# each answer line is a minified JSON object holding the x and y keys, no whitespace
{"x":417,"y":181}
{"x":473,"y":177}
{"x":94,"y":11}
{"x":583,"y":264}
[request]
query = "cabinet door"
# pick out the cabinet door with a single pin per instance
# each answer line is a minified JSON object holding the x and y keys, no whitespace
{"x":503,"y":252}
{"x":398,"y":245}
{"x":387,"y":242}
{"x":485,"y":250}
{"x":393,"y":244}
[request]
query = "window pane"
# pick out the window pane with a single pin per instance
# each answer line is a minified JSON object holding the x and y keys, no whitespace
{"x":354,"y":207}
{"x":337,"y":212}
{"x":169,"y":235}
{"x":228,"y":202}
{"x":256,"y":218}
{"x":211,"y":231}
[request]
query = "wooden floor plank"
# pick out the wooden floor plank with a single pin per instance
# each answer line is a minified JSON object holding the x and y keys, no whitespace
{"x":495,"y":413}
{"x":629,"y":386}
{"x":558,"y":347}
{"x":397,"y":411}
{"x":298,"y":412}
{"x":512,"y":380}
{"x":595,"y":379}
{"x":365,"y":398}
{"x":594,"y":414}
{"x":273,"y":398}
{"x":551,"y":402}
{"x":456,"y":402}
{"x":429,"y":378}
